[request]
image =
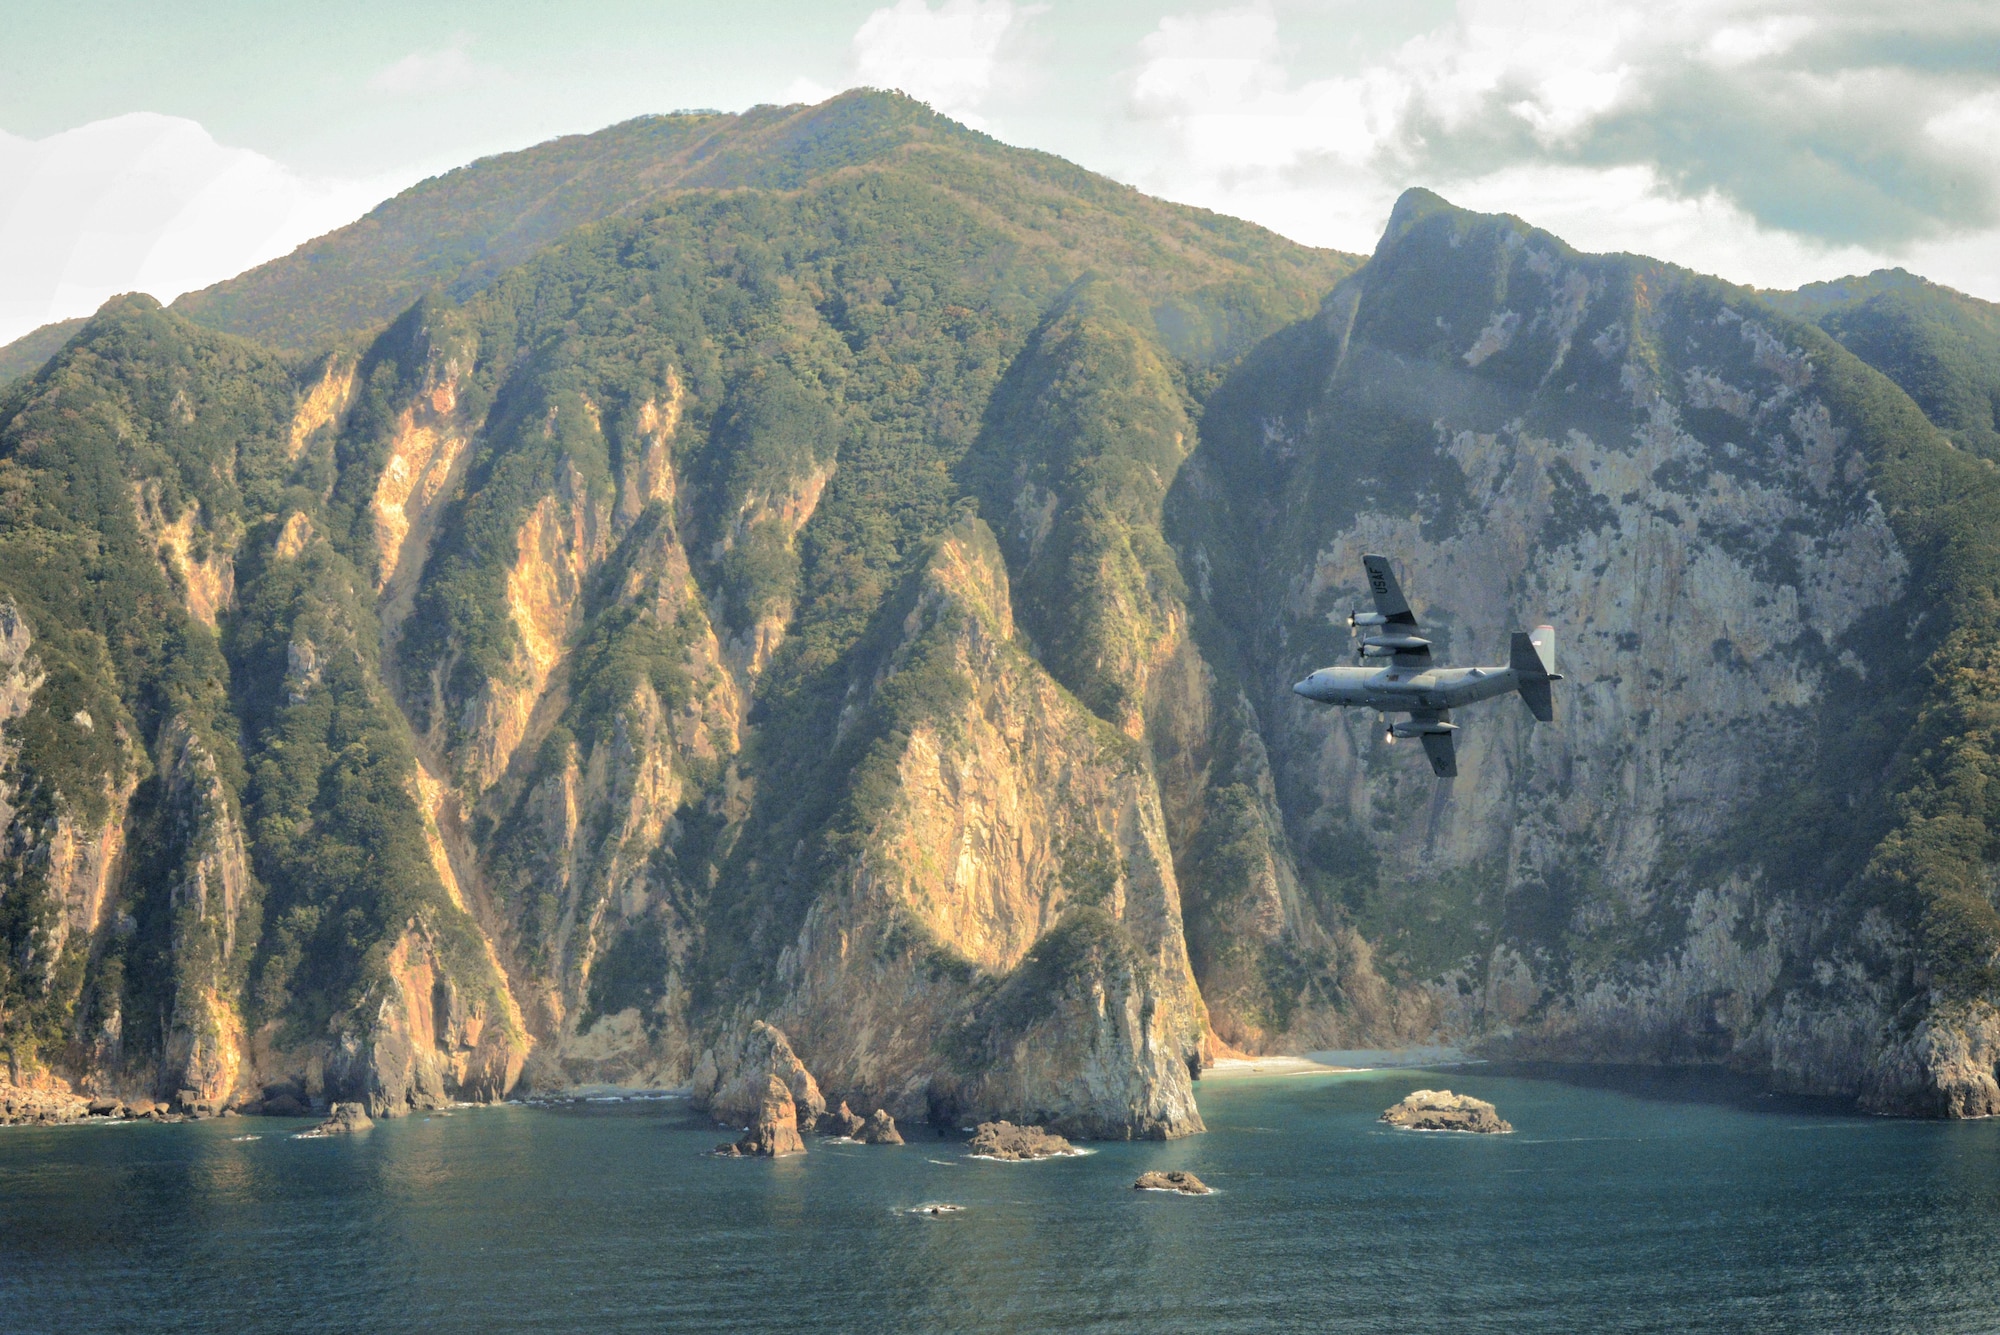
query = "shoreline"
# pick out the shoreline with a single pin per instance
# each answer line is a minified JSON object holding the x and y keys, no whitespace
{"x":1242,"y":1068}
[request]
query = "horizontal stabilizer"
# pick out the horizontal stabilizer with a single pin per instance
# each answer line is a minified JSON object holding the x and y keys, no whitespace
{"x":1539,"y":699}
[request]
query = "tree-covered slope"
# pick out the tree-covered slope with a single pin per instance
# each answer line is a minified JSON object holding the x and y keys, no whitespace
{"x":458,"y":231}
{"x":1941,"y":347}
{"x":25,"y":355}
{"x":608,"y":650}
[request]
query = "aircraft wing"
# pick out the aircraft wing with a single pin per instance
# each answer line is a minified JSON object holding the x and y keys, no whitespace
{"x":1443,"y":753}
{"x":1389,"y":600}
{"x":1438,"y":746}
{"x":1398,"y":621}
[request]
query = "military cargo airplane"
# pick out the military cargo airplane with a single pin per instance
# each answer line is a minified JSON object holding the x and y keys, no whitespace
{"x":1409,"y":684}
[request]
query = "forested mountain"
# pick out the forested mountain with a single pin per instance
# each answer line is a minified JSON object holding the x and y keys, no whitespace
{"x":828,"y":568}
{"x":1942,"y":347}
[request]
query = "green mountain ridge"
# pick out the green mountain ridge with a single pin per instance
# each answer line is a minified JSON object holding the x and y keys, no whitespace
{"x":826,"y":567}
{"x":1942,"y":347}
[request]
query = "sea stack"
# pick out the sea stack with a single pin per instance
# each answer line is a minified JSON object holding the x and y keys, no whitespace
{"x":1442,"y":1110}
{"x":776,"y":1131}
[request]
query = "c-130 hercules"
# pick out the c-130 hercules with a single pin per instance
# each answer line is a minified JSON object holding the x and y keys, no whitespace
{"x":1408,"y":684}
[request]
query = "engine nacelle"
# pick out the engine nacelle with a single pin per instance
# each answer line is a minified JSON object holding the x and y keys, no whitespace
{"x":1376,"y":651}
{"x":1412,"y":728}
{"x":1397,"y":644}
{"x":1365,"y":619}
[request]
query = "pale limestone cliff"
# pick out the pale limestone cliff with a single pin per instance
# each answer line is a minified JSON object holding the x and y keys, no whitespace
{"x":1661,"y":470}
{"x":560,"y":541}
{"x":425,"y":1039}
{"x":428,"y":449}
{"x":1024,"y":841}
{"x":649,"y":475}
{"x":321,"y":403}
{"x":199,"y":560}
{"x":593,"y":815}
{"x":775,"y":515}
{"x":211,"y":891}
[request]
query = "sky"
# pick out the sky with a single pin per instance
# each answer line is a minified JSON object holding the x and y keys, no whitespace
{"x":162,"y":148}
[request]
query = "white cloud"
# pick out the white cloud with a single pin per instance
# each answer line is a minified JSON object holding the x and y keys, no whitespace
{"x":809,"y":91}
{"x":952,"y":57}
{"x":445,"y":71}
{"x":1771,"y":141}
{"x":148,"y":203}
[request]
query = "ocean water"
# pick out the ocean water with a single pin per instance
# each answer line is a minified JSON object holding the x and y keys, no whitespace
{"x":1626,"y":1201}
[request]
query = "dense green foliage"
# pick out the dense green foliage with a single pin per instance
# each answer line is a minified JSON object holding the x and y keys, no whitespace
{"x":28,"y":353}
{"x":461,"y":230}
{"x":148,"y":426}
{"x":1942,"y":348}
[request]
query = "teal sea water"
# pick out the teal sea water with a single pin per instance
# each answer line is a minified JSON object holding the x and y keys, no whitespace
{"x":1630,"y":1201}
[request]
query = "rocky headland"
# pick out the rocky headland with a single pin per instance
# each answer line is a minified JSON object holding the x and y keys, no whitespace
{"x":1004,"y":1140}
{"x":1442,"y":1110}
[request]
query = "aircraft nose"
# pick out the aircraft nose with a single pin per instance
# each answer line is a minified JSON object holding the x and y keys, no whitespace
{"x":1303,"y":688}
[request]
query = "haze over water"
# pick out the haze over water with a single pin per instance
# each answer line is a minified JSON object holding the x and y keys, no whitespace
{"x":1625,"y":1200}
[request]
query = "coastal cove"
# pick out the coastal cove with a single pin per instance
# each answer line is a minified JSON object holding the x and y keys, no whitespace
{"x":1630,"y":1199}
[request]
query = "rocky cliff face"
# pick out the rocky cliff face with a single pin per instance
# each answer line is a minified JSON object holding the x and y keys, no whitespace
{"x":550,"y":684}
{"x":1704,"y":498}
{"x":1005,"y":933}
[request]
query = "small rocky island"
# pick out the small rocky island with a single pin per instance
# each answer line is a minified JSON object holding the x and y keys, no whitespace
{"x":345,"y":1120}
{"x":1004,"y":1140}
{"x":1187,"y":1184}
{"x":1442,"y":1110}
{"x":878,"y":1130}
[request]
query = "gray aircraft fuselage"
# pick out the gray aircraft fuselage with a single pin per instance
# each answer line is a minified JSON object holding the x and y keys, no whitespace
{"x":1399,"y":689}
{"x":1396,"y":674}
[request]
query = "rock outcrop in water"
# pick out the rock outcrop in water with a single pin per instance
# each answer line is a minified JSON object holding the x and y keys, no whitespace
{"x":344,"y":1120}
{"x":844,"y":1122}
{"x":880,"y":1130}
{"x":774,"y":1131}
{"x":1442,"y":1110}
{"x":1004,"y":1140}
{"x":1174,"y":1179}
{"x":730,"y":1080}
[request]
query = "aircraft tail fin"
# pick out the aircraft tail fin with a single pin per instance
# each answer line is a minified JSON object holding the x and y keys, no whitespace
{"x":1533,"y":660}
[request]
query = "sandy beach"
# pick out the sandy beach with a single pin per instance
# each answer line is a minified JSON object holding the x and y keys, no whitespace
{"x":1231,"y":1068}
